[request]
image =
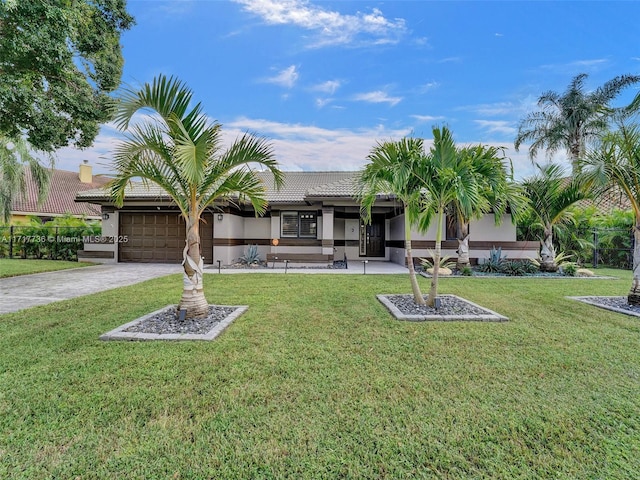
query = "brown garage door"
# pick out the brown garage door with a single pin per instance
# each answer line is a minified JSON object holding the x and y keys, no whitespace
{"x":154,"y":237}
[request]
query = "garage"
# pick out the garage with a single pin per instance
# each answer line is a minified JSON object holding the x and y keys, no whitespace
{"x":158,"y":237}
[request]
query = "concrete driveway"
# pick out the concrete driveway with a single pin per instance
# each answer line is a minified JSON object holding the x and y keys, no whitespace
{"x":25,"y":291}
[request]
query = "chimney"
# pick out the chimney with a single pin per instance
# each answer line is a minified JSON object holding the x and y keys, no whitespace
{"x":85,"y":175}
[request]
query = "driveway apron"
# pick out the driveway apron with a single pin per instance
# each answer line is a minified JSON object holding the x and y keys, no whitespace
{"x":25,"y":291}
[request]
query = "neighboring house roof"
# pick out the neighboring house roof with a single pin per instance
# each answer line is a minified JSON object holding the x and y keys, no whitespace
{"x":614,"y":199}
{"x":298,"y":186}
{"x":63,"y":188}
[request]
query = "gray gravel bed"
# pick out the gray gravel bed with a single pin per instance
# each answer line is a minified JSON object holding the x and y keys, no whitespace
{"x":167,"y":322}
{"x":448,"y":306}
{"x":616,"y":304}
{"x":451,"y":308}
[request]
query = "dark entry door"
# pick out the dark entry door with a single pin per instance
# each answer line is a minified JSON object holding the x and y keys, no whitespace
{"x":372,"y":237}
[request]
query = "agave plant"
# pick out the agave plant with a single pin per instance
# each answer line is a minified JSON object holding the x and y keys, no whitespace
{"x":251,"y":256}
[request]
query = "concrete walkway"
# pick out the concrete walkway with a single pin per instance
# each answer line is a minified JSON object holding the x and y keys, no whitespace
{"x":354,"y":267}
{"x":25,"y":291}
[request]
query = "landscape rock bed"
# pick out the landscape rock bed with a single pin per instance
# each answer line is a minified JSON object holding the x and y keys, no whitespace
{"x":615,"y":304}
{"x":167,"y":321}
{"x":164,"y":324}
{"x":403,"y":307}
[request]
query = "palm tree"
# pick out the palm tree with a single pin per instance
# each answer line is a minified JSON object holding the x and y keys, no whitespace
{"x":446,"y":176}
{"x":616,"y":164}
{"x":551,"y":195}
{"x":179,"y":149}
{"x":15,"y":157}
{"x":394,"y":168}
{"x":571,"y":120}
{"x":497,"y":193}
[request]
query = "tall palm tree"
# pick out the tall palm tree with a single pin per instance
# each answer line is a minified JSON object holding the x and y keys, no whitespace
{"x":446,"y":176}
{"x":571,"y":120}
{"x":180,"y":150}
{"x":15,"y":158}
{"x":498,"y":193}
{"x":551,"y":195}
{"x":394,"y":168}
{"x":616,"y":164}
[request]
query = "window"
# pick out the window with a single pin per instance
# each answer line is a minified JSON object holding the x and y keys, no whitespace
{"x":299,"y":224}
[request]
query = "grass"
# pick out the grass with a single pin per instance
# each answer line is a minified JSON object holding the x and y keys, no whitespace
{"x":12,"y":267}
{"x":317,"y":380}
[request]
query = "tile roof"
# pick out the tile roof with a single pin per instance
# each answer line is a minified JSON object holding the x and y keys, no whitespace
{"x":297,"y":187}
{"x":62,"y":193}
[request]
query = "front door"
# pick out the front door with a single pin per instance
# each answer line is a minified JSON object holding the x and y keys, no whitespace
{"x":372,"y":237}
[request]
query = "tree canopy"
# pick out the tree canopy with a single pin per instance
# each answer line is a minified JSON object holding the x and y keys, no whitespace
{"x":59,"y":60}
{"x":569,"y":121}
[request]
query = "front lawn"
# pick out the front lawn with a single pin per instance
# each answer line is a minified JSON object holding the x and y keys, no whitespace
{"x":11,"y":267}
{"x":317,"y":380}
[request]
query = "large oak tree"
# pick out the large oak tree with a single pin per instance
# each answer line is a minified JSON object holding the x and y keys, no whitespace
{"x":59,"y":60}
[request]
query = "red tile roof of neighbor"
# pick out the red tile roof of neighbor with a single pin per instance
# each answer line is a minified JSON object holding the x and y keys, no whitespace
{"x":62,"y":193}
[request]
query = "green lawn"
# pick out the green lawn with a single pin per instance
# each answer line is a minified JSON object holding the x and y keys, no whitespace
{"x":317,"y":380}
{"x":11,"y":267}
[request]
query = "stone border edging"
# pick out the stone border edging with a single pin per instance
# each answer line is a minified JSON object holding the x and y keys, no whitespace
{"x":588,"y":299}
{"x":490,"y":316}
{"x":120,"y":334}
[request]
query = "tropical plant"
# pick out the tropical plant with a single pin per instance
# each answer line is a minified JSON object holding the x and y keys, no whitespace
{"x":15,"y":158}
{"x":446,"y":176}
{"x":498,"y":194}
{"x":570,"y":121}
{"x":395,"y":168}
{"x":251,"y":256}
{"x":493,"y":263}
{"x":551,"y":194}
{"x":616,"y":164}
{"x":444,"y":261}
{"x":180,"y":150}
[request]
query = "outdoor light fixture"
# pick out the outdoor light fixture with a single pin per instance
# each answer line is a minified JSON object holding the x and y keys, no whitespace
{"x":219,"y":217}
{"x":105,"y":216}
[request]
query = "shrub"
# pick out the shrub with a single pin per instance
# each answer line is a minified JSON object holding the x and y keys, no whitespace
{"x":467,"y":271}
{"x":518,"y":268}
{"x":570,"y":269}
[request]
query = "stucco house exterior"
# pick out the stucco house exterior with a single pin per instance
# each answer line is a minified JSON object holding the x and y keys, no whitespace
{"x":313,"y":219}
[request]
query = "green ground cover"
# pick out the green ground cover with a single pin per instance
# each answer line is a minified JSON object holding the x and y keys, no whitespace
{"x":317,"y":380}
{"x":11,"y":267}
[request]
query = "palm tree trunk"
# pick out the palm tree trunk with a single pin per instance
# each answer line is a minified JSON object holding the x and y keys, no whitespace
{"x":463,"y":247}
{"x":433,"y":292}
{"x":548,"y":252}
{"x":193,"y":299}
{"x":634,"y":294}
{"x":417,"y":294}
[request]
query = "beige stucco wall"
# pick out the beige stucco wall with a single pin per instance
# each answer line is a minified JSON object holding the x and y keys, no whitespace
{"x":485,"y":229}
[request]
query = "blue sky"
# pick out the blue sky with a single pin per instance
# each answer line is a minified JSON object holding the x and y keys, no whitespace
{"x":326,"y":80}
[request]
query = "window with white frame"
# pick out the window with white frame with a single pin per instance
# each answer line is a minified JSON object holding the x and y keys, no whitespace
{"x":299,"y":224}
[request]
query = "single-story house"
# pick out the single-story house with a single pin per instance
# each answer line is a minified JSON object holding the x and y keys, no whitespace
{"x":60,"y":201}
{"x":313,"y":218}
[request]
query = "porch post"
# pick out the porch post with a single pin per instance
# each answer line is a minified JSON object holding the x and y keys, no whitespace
{"x":327,"y":230}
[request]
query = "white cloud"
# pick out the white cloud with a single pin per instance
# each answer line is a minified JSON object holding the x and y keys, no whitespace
{"x":301,"y":147}
{"x":330,"y":86}
{"x":497,"y":126}
{"x":427,"y":118}
{"x":286,"y":78}
{"x":332,"y":27}
{"x":377,"y":96}
{"x":594,"y":64}
{"x":312,"y":148}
